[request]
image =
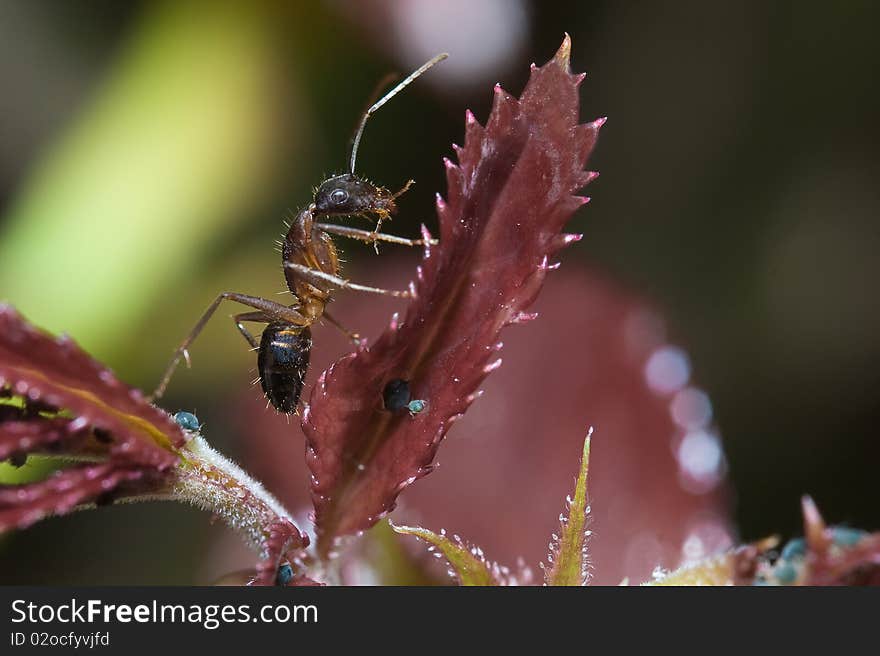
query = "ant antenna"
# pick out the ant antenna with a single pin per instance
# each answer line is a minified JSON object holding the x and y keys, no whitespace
{"x":388,"y":96}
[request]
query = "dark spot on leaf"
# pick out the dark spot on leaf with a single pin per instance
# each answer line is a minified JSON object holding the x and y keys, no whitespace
{"x":396,"y":395}
{"x":285,"y":573}
{"x":102,"y":436}
{"x":105,"y":499}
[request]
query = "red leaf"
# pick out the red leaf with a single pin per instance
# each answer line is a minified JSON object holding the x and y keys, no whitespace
{"x":23,"y":505}
{"x":65,"y":403}
{"x":20,"y":435}
{"x":70,"y":404}
{"x":58,"y":373}
{"x":830,"y":563}
{"x":509,"y":198}
{"x":283,"y":536}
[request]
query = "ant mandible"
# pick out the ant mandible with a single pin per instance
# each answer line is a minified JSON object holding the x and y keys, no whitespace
{"x":311,"y":269}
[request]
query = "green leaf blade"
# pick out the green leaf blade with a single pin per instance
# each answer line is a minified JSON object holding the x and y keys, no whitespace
{"x":468,"y":564}
{"x":568,"y":551}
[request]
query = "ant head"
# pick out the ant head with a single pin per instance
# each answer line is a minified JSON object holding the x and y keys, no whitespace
{"x":348,"y":194}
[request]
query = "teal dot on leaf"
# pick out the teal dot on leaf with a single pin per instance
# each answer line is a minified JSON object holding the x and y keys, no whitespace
{"x":187,"y":420}
{"x":785,"y":573}
{"x":415,"y":406}
{"x":285,"y":573}
{"x":844,"y":536}
{"x":796,"y":548}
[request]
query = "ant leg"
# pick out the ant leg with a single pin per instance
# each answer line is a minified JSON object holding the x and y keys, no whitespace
{"x":370,"y":237}
{"x":403,"y":189}
{"x":270,"y":308}
{"x":259,"y":317}
{"x":313,"y":275}
{"x":383,"y":215}
{"x":354,"y":337}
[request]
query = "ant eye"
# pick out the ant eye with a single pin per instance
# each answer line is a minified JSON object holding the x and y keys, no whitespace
{"x":338,"y":196}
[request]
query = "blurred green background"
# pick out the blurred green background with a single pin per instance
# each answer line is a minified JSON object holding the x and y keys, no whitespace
{"x":150,"y":151}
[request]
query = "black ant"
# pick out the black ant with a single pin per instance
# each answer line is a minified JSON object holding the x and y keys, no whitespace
{"x":311,"y":268}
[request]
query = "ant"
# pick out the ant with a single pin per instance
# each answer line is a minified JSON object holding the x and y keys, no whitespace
{"x":312,"y":270}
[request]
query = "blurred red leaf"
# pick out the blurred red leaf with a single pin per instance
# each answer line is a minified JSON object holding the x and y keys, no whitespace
{"x":20,"y":434}
{"x":827,"y":555}
{"x":23,"y":505}
{"x":56,"y":400}
{"x":828,"y":562}
{"x":509,"y":197}
{"x":56,"y":372}
{"x":858,"y":565}
{"x":61,"y":401}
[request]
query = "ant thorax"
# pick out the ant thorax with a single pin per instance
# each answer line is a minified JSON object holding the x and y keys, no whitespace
{"x":306,"y":243}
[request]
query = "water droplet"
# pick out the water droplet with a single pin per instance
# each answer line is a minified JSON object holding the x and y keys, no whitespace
{"x":691,"y":409}
{"x":701,"y":458}
{"x":667,"y":370}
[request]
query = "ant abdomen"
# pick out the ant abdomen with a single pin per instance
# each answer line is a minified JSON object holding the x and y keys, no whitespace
{"x":283,"y":361}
